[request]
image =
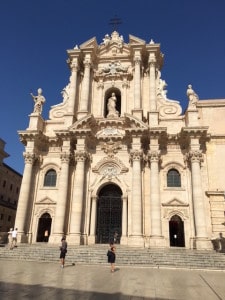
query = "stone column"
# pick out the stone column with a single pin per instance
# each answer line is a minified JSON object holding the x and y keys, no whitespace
{"x":73,"y":87}
{"x":136,"y":204}
{"x":78,"y":197}
{"x":100,"y":108}
{"x":195,"y":157}
{"x":125,"y":86}
{"x":137,"y":80}
{"x":124,"y":218}
{"x":59,"y":221}
{"x":152,"y":82}
{"x":83,"y":109}
{"x":24,"y":198}
{"x":155,"y":204}
{"x":93,"y":218}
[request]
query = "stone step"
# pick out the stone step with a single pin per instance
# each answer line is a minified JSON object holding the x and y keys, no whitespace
{"x":176,"y":257}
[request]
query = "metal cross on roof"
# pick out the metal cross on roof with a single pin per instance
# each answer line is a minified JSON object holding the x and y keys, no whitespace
{"x":115,"y":22}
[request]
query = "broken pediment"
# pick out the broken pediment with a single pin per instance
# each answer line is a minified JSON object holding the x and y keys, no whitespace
{"x":175,"y":202}
{"x":132,"y":122}
{"x":110,"y":165}
{"x":92,"y":43}
{"x":86,"y":123}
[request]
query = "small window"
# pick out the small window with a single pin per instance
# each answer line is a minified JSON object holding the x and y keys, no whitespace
{"x":173,"y":178}
{"x":50,"y":178}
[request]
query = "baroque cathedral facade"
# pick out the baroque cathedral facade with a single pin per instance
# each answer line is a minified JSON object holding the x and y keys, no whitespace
{"x":117,"y":156}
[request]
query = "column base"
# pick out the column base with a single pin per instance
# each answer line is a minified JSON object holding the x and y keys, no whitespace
{"x":136,"y":240}
{"x":202,"y":244}
{"x":55,"y":238}
{"x":157,"y":242}
{"x":124,"y":240}
{"x":91,"y":240}
{"x":23,"y":238}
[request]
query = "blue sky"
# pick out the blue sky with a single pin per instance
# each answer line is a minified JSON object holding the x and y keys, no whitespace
{"x":36,"y":34}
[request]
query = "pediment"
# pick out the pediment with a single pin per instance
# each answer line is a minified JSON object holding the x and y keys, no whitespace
{"x":133,"y":122}
{"x":92,"y":43}
{"x":110,"y":165}
{"x":133,"y":40}
{"x":175,"y":202}
{"x":86,"y":123}
{"x":46,"y":201}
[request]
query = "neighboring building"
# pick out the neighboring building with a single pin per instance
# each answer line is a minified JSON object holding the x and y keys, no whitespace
{"x":10,"y":182}
{"x":118,"y":156}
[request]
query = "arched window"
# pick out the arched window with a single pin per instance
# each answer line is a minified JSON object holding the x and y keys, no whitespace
{"x":173,"y":178}
{"x":50,"y":178}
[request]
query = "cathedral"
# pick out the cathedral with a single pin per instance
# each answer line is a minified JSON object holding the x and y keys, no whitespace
{"x":118,"y":159}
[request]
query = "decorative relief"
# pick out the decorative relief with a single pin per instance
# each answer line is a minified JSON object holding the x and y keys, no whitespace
{"x":109,"y":172}
{"x":65,"y":157}
{"x":59,"y":110}
{"x":110,"y":161}
{"x":111,"y":148}
{"x":154,"y":155}
{"x":110,"y":132}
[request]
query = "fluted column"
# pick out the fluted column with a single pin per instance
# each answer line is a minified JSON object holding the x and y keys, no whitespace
{"x":152,"y":82}
{"x":78,"y":197}
{"x":93,"y":216}
{"x":198,"y":202}
{"x":24,"y":198}
{"x":85,"y":85}
{"x":137,"y":80}
{"x":59,"y":229}
{"x":136,"y":205}
{"x":155,"y":205}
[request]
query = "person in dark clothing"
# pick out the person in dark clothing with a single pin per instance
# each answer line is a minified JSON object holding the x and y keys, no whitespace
{"x":112,"y":257}
{"x":63,"y":251}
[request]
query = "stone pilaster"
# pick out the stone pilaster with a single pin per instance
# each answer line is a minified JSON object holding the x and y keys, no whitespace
{"x":78,"y":197}
{"x":24,"y":198}
{"x":123,"y":239}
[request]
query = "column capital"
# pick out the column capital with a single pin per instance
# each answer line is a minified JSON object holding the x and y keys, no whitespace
{"x":153,"y":155}
{"x":65,"y":157}
{"x":29,"y":158}
{"x":136,"y":155}
{"x":81,"y":155}
{"x":195,"y":156}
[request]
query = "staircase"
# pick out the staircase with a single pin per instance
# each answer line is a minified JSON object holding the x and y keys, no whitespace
{"x":125,"y":256}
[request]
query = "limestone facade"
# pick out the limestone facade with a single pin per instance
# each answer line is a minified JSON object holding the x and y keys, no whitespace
{"x":116,"y":155}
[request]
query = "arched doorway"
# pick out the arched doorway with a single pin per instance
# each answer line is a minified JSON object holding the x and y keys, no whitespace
{"x":109,"y":214}
{"x":176,"y":228}
{"x":44,"y":225}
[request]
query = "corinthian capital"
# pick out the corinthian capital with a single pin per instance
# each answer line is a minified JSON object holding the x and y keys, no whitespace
{"x":29,"y":158}
{"x":65,"y":157}
{"x":81,"y":155}
{"x":195,"y":156}
{"x":154,"y":155}
{"x":136,"y":155}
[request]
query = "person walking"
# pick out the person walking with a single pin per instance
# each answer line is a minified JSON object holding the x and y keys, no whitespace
{"x":63,"y":251}
{"x":112,"y":257}
{"x":14,"y":238}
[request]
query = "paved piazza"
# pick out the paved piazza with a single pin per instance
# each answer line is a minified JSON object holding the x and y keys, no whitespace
{"x":34,"y":280}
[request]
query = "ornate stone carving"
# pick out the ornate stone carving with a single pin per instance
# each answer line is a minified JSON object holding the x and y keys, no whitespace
{"x":192,"y":97}
{"x":81,"y":155}
{"x":195,"y":156}
{"x":136,"y":155}
{"x":154,"y":155}
{"x":29,"y":158}
{"x":39,"y":100}
{"x":65,"y":157}
{"x":111,"y":148}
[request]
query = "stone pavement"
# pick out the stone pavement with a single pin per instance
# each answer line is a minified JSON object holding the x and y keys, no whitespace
{"x":35,"y":280}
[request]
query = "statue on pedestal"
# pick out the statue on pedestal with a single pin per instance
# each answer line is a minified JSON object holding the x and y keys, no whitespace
{"x":39,"y":100}
{"x":192,"y":96}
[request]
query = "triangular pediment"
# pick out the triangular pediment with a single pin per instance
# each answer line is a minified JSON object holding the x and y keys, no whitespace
{"x":92,"y":43}
{"x":133,"y":122}
{"x":175,"y":202}
{"x":86,"y":123}
{"x":46,"y":201}
{"x":133,"y":40}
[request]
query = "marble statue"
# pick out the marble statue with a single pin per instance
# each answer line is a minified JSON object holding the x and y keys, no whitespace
{"x":39,"y":100}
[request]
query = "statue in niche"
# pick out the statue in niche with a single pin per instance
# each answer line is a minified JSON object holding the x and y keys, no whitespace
{"x":111,"y":106}
{"x":192,"y":96}
{"x":39,"y":100}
